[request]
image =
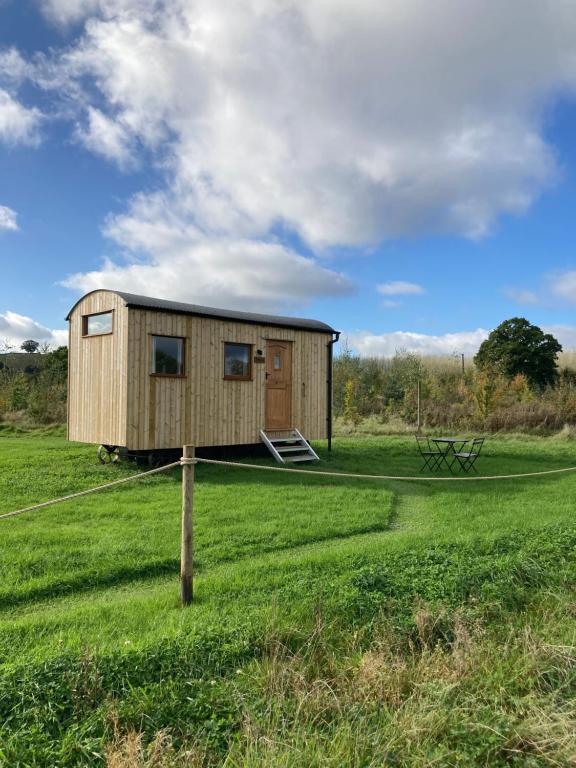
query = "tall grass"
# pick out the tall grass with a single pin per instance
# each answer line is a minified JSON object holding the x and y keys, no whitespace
{"x":372,"y":392}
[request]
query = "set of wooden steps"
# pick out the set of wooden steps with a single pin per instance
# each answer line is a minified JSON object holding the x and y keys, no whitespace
{"x":288,"y":446}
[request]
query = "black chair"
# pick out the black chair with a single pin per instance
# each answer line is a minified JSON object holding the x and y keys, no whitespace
{"x":467,"y":459}
{"x":431,"y":456}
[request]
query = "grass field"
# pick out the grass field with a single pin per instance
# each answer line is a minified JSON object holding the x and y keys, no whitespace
{"x":336,"y":622}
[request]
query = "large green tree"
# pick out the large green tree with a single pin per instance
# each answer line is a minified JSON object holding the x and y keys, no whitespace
{"x":516,"y":346}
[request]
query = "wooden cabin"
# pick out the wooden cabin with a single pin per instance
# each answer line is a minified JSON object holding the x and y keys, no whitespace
{"x":148,"y":374}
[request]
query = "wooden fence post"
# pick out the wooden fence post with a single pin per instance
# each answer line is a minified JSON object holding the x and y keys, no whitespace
{"x":186,"y":575}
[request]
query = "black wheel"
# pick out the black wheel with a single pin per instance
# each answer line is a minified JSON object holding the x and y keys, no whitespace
{"x":108,"y":454}
{"x":156,"y":459}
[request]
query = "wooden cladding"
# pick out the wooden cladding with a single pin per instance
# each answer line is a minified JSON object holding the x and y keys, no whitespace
{"x":98,"y":373}
{"x":115,"y":399}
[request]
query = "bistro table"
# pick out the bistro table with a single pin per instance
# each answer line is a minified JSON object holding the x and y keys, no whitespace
{"x":448,"y":446}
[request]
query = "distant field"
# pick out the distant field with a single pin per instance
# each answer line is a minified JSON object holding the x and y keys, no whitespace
{"x":337,"y":622}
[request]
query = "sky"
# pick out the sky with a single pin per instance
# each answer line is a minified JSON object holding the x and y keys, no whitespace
{"x":403,"y":171}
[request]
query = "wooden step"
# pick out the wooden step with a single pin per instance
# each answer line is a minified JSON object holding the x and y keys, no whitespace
{"x":289,"y":448}
{"x":301,"y":458}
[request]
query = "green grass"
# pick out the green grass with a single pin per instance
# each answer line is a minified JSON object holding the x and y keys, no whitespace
{"x":336,"y":622}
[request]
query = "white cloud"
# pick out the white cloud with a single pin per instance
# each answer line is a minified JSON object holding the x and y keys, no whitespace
{"x":399,"y":288}
{"x":386,"y":344}
{"x":566,"y":335}
{"x":562,"y":285}
{"x":521,"y":296}
{"x":18,"y":125}
{"x":16,"y":328}
{"x":175,"y":260}
{"x":8,"y":218}
{"x":13,"y":66}
{"x":316,"y":117}
{"x":106,"y":137}
{"x":318,"y":113}
{"x":225,"y":273}
{"x":69,"y":11}
{"x":369,"y":344}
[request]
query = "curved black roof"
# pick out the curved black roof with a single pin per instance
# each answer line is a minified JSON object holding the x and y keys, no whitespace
{"x":178,"y":307}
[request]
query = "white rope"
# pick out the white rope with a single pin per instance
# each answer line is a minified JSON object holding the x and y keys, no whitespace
{"x":240,"y":465}
{"x":89,"y":490}
{"x":410,"y":478}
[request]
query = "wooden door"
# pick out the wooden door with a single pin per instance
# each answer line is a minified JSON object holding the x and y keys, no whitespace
{"x":278,"y":385}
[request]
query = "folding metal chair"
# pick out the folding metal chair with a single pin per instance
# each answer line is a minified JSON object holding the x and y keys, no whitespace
{"x":467,"y":459}
{"x":431,"y":457}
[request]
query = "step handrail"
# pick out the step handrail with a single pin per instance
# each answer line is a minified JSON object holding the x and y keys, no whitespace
{"x":270,"y":445}
{"x":307,"y":444}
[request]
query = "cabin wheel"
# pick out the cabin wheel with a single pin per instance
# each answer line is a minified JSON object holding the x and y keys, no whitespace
{"x":156,"y":459}
{"x":108,"y":454}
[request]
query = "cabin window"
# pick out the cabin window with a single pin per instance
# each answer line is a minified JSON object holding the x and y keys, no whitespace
{"x":167,"y":356}
{"x":97,"y":325}
{"x":238,"y":361}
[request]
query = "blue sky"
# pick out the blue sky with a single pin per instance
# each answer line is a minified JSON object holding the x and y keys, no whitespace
{"x":294,"y":157}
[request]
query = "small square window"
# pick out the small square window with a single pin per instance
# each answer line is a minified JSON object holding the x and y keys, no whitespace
{"x":238,"y":361}
{"x":167,"y":355}
{"x":97,"y":325}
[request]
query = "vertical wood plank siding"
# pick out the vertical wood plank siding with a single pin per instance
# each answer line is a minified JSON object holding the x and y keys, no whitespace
{"x":204,"y":409}
{"x":98,"y":374}
{"x":115,"y":400}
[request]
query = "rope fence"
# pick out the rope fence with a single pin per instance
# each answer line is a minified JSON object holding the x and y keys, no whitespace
{"x":292,"y":471}
{"x":188,"y":462}
{"x":409,"y":478}
{"x":88,"y":491}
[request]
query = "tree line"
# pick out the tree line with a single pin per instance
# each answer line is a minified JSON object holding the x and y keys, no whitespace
{"x":34,"y":385}
{"x":513,"y":383}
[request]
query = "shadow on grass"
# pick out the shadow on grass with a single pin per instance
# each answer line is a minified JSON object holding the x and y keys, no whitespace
{"x":87,"y":582}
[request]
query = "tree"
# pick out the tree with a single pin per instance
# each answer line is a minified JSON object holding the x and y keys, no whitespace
{"x":30,"y":346}
{"x":47,"y":395}
{"x":351,"y":413}
{"x":518,"y":347}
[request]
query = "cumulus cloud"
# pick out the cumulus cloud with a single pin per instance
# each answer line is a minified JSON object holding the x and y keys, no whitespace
{"x":64,"y":12}
{"x":15,"y":329}
{"x":170,"y":257}
{"x":562,"y":285}
{"x":8,"y":218}
{"x":369,"y":344}
{"x":387,"y":344}
{"x":521,"y":296}
{"x":319,"y":114}
{"x":18,"y":125}
{"x":227,"y":273}
{"x":14,"y":68}
{"x":399,"y":288}
{"x":566,"y":335}
{"x":106,"y":137}
{"x":344,"y":122}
